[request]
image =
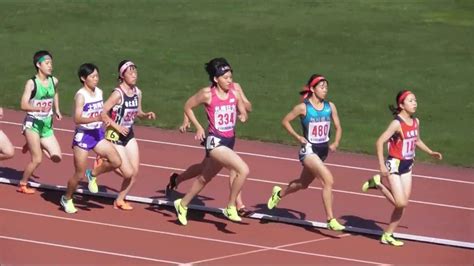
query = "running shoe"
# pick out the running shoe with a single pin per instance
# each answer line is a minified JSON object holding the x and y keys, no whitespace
{"x":172,"y":184}
{"x":275,"y":198}
{"x":23,"y":188}
{"x":244,"y":212}
{"x":125,"y":206}
{"x":371,"y":183}
{"x":388,"y":239}
{"x":334,"y":225}
{"x":231,"y":213}
{"x":181,"y":212}
{"x":68,"y":205}
{"x":92,"y":182}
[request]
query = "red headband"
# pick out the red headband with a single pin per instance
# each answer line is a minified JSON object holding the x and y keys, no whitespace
{"x":403,"y":96}
{"x":316,"y":81}
{"x":307,"y":89}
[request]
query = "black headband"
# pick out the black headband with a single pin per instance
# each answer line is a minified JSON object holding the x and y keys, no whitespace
{"x":221,"y":70}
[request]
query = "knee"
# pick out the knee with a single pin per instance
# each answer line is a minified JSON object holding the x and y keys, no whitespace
{"x":115,"y":162}
{"x":129,"y":174}
{"x":79,"y":174}
{"x":401,"y":204}
{"x":328,"y":181}
{"x":9,"y":153}
{"x":243,"y":171}
{"x":36,"y":160}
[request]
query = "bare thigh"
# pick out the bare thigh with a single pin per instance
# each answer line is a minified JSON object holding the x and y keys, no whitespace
{"x":51,"y":145}
{"x":126,"y":167}
{"x":107,"y":150}
{"x":229,"y":159}
{"x":5,"y":144}
{"x":133,"y":154}
{"x":317,"y":168}
{"x":398,"y":189}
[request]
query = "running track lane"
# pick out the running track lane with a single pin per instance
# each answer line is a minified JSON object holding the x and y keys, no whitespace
{"x":100,"y":234}
{"x":152,"y":174}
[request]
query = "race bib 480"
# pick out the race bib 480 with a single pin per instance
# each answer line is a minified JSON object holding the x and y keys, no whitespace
{"x":318,"y":132}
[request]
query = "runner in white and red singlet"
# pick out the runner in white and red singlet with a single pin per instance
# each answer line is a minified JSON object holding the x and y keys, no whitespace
{"x":402,"y":136}
{"x":222,"y":102}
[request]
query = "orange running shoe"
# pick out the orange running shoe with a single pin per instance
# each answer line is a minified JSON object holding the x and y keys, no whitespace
{"x":125,"y":206}
{"x":23,"y":188}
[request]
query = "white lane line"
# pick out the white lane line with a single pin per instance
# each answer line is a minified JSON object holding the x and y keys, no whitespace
{"x":310,"y":187}
{"x":262,"y":250}
{"x":259,"y":216}
{"x":87,"y":249}
{"x":271,"y":157}
{"x":174,"y":234}
{"x":132,"y":228}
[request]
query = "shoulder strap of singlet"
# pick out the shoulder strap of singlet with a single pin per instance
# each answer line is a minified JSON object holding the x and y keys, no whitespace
{"x":33,"y":92}
{"x":52,"y":82}
{"x":121,"y":94}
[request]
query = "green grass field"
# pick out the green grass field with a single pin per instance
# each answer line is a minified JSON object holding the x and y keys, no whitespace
{"x":368,"y":49}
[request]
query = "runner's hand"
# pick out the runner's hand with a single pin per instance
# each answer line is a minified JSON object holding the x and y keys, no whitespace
{"x":150,"y":116}
{"x":122,"y":130}
{"x":59,"y":116}
{"x":200,"y":134}
{"x":436,"y":155}
{"x":184,"y":127}
{"x":242,"y":118}
{"x":302,"y":140}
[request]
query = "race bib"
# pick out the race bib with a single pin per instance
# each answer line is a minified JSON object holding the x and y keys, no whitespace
{"x":224,"y":118}
{"x":212,"y":142}
{"x":392,"y":165}
{"x":112,"y":135}
{"x":129,"y":117}
{"x":409,"y":147}
{"x":78,"y":136}
{"x":306,"y":149}
{"x":46,"y":105}
{"x":318,"y":132}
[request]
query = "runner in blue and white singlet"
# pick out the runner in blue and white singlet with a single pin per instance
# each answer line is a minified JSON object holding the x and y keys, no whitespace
{"x":316,"y":129}
{"x":316,"y":115}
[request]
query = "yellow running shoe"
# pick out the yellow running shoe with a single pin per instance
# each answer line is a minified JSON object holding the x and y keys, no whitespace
{"x":181,"y":212}
{"x":68,"y":205}
{"x":92,"y":180}
{"x":231,"y":213}
{"x":275,"y":198}
{"x":390,"y":240}
{"x":371,"y":183}
{"x":334,"y":225}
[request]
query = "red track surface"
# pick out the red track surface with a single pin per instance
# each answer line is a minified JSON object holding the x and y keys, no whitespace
{"x":33,"y":229}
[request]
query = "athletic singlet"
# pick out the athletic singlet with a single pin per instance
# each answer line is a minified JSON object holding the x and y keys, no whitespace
{"x":316,"y":123}
{"x":126,"y":110}
{"x":222,"y":114}
{"x":42,"y":96}
{"x":402,"y":146}
{"x":93,"y":106}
